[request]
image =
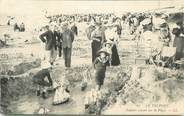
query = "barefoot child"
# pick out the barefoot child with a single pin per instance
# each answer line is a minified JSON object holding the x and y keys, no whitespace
{"x":100,"y":64}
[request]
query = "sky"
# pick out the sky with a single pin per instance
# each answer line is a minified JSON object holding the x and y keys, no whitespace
{"x":35,"y":7}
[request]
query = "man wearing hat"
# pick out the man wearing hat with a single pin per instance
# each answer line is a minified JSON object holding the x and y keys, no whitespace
{"x":68,"y":38}
{"x":100,"y":64}
{"x":50,"y":44}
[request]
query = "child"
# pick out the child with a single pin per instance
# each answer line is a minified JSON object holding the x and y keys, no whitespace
{"x":100,"y":64}
{"x":40,"y":80}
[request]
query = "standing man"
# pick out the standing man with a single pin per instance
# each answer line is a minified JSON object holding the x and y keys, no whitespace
{"x":58,"y":37}
{"x":68,"y":38}
{"x":59,"y":42}
{"x":50,"y":45}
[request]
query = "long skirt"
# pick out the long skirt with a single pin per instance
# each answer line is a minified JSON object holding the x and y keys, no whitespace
{"x":115,"y":57}
{"x":96,"y":46}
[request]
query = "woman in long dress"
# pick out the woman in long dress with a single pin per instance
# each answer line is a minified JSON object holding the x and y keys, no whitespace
{"x":112,"y":40}
{"x":178,"y":43}
{"x":98,"y":38}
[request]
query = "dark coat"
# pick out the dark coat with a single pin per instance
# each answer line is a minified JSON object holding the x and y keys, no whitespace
{"x":68,"y":38}
{"x":40,"y":76}
{"x":115,"y":57}
{"x":119,"y":29}
{"x":58,"y":38}
{"x":100,"y":69}
{"x":48,"y":38}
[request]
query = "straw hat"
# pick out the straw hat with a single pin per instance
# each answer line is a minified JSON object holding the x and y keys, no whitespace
{"x":146,"y":21}
{"x":164,"y":16}
{"x":103,"y":51}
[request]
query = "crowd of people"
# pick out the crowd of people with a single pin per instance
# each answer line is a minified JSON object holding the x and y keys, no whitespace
{"x":19,"y":28}
{"x":104,"y":31}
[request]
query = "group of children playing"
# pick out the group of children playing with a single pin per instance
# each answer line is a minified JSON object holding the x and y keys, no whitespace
{"x":44,"y":80}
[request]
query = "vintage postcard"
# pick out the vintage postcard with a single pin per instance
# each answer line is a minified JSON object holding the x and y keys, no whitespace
{"x":102,"y":57}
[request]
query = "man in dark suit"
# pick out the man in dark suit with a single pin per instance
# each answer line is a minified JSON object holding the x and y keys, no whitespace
{"x":68,"y":38}
{"x":50,"y":44}
{"x":58,"y":37}
{"x":59,"y":42}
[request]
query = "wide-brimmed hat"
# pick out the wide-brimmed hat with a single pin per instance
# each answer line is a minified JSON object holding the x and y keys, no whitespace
{"x":146,"y":21}
{"x":164,"y":16}
{"x":64,"y":24}
{"x":103,"y":51}
{"x":159,"y":22}
{"x":109,"y":42}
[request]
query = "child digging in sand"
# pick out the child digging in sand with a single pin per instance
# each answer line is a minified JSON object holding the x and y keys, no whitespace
{"x":43,"y":80}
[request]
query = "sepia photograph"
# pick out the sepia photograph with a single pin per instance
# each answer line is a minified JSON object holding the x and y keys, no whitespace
{"x":96,"y":57}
